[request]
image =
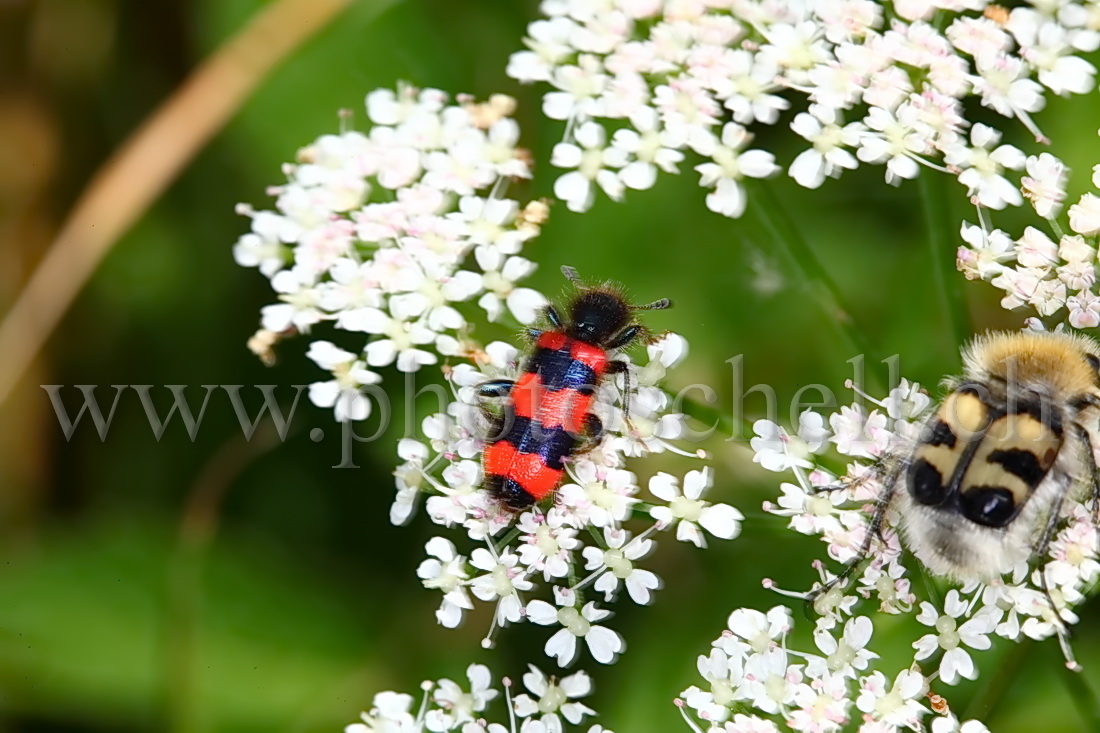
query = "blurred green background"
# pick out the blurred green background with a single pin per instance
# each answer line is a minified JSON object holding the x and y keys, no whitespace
{"x":225,"y":585}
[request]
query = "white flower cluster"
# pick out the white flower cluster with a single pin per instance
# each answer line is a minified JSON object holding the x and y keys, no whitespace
{"x":755,"y":683}
{"x":386,"y":232}
{"x":1035,"y":270}
{"x":447,"y":706}
{"x":640,"y":82}
{"x":577,"y":544}
{"x":839,"y":510}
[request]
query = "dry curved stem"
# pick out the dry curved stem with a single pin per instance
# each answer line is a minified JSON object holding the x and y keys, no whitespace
{"x":143,"y":167}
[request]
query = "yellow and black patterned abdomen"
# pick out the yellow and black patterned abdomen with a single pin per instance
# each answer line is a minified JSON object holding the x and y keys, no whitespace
{"x":983,"y":455}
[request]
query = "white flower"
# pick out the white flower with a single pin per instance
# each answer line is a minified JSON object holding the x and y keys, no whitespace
{"x":502,"y":580}
{"x":389,"y":713}
{"x":299,"y":308}
{"x":889,"y":140}
{"x":1045,"y":184}
{"x":553,"y":698}
{"x":594,"y":164}
{"x":754,"y":631}
{"x":1084,"y":216}
{"x":460,"y":706}
{"x":983,"y":166}
{"x":777,"y":450}
{"x":950,"y":637}
{"x":342,"y":393}
{"x":603,"y":643}
{"x":847,"y":655}
{"x":402,"y":338}
{"x":445,"y":571}
{"x":617,"y":560}
{"x":649,"y":146}
{"x":828,"y":156}
{"x":729,"y":167}
{"x":407,"y":477}
{"x":688,"y":510}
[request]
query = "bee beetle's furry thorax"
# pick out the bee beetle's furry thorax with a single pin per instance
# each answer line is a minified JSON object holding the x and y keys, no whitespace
{"x":989,"y":477}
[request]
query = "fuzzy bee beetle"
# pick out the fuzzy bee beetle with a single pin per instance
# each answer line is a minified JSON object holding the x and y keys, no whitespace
{"x":1007,"y":449}
{"x":1004,"y":458}
{"x":547,"y":416}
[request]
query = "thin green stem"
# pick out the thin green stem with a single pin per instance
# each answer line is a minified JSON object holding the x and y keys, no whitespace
{"x":940,"y":235}
{"x":772,"y":214}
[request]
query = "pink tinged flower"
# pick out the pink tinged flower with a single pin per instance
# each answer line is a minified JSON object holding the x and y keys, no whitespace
{"x":729,"y":166}
{"x":984,"y":165}
{"x":594,"y":164}
{"x":848,"y":654}
{"x":987,"y":252}
{"x":1077,"y":275}
{"x":1084,"y":216}
{"x":547,"y":543}
{"x":603,"y":643}
{"x":1045,"y":184}
{"x":978,"y":37}
{"x":777,"y":450}
{"x":445,"y":571}
{"x":859,"y":434}
{"x":502,"y":579}
{"x":603,"y":495}
{"x":888,"y":87}
{"x":1084,"y":309}
{"x":724,"y":674}
{"x":828,"y":156}
{"x":821,"y":706}
{"x":1035,"y":249}
{"x":1004,"y":84}
{"x":894,"y":705}
{"x":769,"y":683}
{"x":689,"y":512}
{"x":1020,"y":286}
{"x":848,"y":20}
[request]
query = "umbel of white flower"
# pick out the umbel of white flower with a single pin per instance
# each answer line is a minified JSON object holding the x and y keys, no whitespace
{"x":451,"y":706}
{"x":395,"y":235}
{"x":643,"y":86}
